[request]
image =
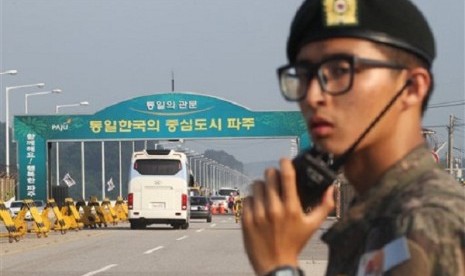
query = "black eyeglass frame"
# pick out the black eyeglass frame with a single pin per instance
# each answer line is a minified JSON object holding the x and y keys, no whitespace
{"x":313,"y":69}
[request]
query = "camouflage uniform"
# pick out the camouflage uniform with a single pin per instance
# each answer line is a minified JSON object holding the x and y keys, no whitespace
{"x":415,"y":199}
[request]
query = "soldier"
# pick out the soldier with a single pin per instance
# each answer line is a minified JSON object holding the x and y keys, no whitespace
{"x":360,"y":71}
{"x":237,"y":209}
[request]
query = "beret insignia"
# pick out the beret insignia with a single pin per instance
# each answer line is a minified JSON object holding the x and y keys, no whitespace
{"x":340,"y":12}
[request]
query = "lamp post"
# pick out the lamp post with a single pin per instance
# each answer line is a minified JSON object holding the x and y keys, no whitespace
{"x":27,"y":95}
{"x":198,"y":170}
{"x":208,"y":169}
{"x":7,"y":118}
{"x":9,"y":72}
{"x":196,"y":174}
{"x":57,"y":110}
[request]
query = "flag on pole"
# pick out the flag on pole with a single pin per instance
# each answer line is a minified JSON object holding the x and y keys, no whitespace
{"x":110,"y":184}
{"x":69,"y":180}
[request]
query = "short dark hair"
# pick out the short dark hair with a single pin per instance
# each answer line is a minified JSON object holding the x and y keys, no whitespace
{"x":410,"y":60}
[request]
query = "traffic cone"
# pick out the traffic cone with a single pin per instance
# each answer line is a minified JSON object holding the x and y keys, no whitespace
{"x":221,"y":209}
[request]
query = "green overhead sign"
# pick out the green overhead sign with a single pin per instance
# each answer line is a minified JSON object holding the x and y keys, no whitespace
{"x":157,"y":116}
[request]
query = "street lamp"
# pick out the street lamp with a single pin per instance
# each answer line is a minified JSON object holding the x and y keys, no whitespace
{"x":7,"y":118}
{"x":57,"y":109}
{"x":26,"y":96}
{"x":194,"y":163}
{"x":9,"y":72}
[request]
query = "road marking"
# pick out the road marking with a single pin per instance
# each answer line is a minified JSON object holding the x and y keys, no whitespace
{"x":181,"y":238}
{"x":199,"y":230}
{"x":100,"y":270}
{"x":154,"y":249}
{"x":213,"y":225}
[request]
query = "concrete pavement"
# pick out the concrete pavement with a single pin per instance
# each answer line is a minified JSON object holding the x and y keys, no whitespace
{"x":313,"y":268}
{"x":316,"y":266}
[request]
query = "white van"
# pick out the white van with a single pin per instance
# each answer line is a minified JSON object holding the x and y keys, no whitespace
{"x":158,"y":189}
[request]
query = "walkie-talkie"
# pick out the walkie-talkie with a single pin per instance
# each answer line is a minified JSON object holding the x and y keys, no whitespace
{"x":314,"y":175}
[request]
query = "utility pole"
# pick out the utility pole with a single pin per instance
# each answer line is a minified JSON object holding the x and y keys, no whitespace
{"x":172,"y":81}
{"x":450,"y":152}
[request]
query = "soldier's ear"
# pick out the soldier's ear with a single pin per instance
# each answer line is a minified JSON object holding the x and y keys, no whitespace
{"x":417,"y":87}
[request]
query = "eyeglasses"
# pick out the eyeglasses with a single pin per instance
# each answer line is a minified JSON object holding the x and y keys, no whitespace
{"x":335,"y":75}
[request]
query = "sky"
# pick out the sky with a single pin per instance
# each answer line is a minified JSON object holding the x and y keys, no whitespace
{"x":105,"y":52}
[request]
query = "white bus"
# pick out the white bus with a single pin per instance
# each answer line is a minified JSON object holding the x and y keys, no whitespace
{"x":158,"y":189}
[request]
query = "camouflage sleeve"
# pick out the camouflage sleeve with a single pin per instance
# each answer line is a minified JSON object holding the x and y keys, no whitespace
{"x":436,"y":240}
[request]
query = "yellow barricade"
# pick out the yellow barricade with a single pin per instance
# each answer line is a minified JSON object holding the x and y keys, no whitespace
{"x":13,"y":233}
{"x":121,"y":209}
{"x":71,"y":215}
{"x":20,"y":220}
{"x":93,"y":203}
{"x":60,"y":222}
{"x":87,"y":217}
{"x":38,"y":226}
{"x":109,"y":212}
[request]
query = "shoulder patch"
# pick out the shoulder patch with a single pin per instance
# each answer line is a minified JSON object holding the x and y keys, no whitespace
{"x":379,"y":261}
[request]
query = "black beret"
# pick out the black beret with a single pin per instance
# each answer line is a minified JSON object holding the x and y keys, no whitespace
{"x":396,"y":23}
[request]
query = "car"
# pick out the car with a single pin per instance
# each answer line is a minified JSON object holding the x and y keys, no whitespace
{"x":200,"y":208}
{"x":216,"y":201}
{"x":15,"y":207}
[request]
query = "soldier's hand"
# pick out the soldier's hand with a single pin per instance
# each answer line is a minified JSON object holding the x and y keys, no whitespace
{"x":275,"y":229}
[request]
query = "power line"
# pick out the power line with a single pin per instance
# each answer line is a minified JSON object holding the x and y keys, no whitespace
{"x":453,"y":102}
{"x":447,"y":105}
{"x":438,"y":126}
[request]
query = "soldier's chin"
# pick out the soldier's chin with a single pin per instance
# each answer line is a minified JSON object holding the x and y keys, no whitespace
{"x":330,"y":147}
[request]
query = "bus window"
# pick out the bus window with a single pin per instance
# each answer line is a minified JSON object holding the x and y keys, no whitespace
{"x":157,"y":166}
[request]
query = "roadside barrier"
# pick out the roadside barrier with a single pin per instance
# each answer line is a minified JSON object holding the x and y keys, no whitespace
{"x":60,"y":222}
{"x":93,"y":203}
{"x":38,"y":225}
{"x":121,"y":209}
{"x":108,"y":212}
{"x":20,"y":222}
{"x":13,"y":234}
{"x":214,"y":210}
{"x":88,"y":218}
{"x":71,"y":215}
{"x":221,"y":209}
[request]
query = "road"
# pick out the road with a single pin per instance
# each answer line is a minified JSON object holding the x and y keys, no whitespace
{"x":203,"y":249}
